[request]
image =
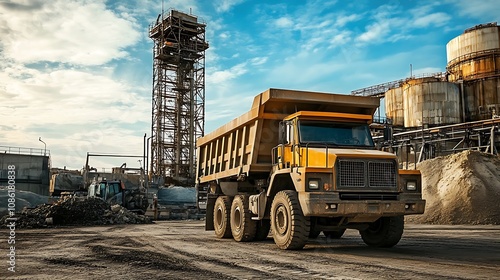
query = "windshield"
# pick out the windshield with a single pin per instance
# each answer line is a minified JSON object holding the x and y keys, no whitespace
{"x":335,"y":133}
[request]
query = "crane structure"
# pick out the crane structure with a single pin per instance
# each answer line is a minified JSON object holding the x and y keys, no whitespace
{"x":178,"y":96}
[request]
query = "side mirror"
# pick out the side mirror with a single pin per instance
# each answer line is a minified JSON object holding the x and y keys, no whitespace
{"x":387,"y":133}
{"x":282,"y":133}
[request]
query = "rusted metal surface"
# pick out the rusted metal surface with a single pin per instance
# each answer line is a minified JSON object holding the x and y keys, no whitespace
{"x":394,"y":106}
{"x":474,"y":54}
{"x":430,"y":103}
{"x":482,"y":98}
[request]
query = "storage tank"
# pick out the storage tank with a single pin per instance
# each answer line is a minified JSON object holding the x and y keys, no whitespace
{"x":482,"y":98}
{"x":474,"y":59}
{"x":394,"y":108}
{"x":430,"y":101}
{"x":475,"y":53}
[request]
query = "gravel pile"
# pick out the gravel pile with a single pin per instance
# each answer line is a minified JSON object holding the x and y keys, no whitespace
{"x":76,"y":211}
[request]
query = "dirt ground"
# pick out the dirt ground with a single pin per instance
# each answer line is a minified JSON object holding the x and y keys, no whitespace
{"x":183,"y":250}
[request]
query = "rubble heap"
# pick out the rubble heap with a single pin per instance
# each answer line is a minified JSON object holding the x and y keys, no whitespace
{"x":462,"y":188}
{"x":76,"y":211}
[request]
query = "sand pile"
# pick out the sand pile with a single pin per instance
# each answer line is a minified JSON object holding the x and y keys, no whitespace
{"x":461,"y":188}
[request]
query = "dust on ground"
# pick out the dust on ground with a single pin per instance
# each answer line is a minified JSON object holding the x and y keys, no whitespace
{"x":462,"y":188}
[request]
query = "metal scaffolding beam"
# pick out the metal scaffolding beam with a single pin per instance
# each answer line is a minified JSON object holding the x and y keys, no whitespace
{"x":416,"y":144}
{"x":178,"y":103}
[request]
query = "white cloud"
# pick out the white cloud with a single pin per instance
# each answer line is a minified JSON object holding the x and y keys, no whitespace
{"x":284,"y":22}
{"x":226,"y":5}
{"x":375,"y":32}
{"x":258,"y":61}
{"x":486,"y":10}
{"x":342,"y":20}
{"x":56,"y":80}
{"x":225,"y":35}
{"x":70,"y":97}
{"x":223,"y":76}
{"x":60,"y":31}
{"x":341,"y":38}
{"x":434,"y":19}
{"x":74,"y":111}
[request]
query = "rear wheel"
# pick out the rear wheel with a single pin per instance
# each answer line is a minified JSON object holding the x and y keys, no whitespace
{"x":334,"y":234}
{"x":221,"y":217}
{"x":290,"y":227}
{"x":385,"y":232}
{"x":243,"y":227}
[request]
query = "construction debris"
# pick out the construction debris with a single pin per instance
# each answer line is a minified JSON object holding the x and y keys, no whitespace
{"x":76,"y":211}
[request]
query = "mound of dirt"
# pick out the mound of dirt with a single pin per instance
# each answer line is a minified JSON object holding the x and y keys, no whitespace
{"x":462,"y":188}
{"x":76,"y":211}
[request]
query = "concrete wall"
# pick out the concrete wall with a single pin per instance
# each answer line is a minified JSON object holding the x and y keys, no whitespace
{"x":32,"y":172}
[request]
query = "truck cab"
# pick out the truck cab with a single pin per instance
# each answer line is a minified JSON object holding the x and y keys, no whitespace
{"x":341,"y":180}
{"x":105,"y":190}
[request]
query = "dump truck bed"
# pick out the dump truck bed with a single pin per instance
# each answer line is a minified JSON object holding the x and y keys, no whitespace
{"x":244,"y":145}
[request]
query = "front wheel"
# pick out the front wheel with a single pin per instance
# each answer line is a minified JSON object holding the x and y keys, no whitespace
{"x":384,"y":232}
{"x":289,"y":226}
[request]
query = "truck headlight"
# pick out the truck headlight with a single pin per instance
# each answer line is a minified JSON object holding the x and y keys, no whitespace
{"x":411,"y":185}
{"x":313,"y":184}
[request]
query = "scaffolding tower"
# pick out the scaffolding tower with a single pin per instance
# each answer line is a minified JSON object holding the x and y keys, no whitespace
{"x":178,"y":103}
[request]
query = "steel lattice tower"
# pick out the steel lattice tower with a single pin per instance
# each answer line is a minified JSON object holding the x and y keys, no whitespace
{"x":178,"y":103}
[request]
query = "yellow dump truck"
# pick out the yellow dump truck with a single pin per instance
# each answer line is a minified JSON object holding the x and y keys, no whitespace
{"x":301,"y":163}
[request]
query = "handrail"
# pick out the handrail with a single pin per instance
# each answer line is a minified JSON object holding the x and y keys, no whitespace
{"x":307,"y":153}
{"x":24,"y":151}
{"x":469,"y":56}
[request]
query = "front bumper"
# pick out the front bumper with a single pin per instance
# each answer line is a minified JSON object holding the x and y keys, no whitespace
{"x":329,"y":205}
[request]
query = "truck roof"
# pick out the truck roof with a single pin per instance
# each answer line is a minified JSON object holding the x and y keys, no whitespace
{"x":330,"y":116}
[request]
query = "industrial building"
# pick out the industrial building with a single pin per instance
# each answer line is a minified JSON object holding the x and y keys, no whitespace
{"x":442,"y":113}
{"x":31,"y":165}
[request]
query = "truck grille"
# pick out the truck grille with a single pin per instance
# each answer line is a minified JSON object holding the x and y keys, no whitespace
{"x":382,"y":174}
{"x":354,"y":173}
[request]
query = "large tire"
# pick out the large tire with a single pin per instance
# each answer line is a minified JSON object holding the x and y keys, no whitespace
{"x":221,"y":217}
{"x":385,"y":232}
{"x":263,"y":227}
{"x":334,"y":234}
{"x":290,"y":227}
{"x":243,"y":227}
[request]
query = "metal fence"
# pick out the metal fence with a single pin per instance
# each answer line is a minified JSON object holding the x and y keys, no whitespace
{"x":24,"y":151}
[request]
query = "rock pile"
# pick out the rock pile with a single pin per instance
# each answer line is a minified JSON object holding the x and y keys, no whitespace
{"x":76,"y":211}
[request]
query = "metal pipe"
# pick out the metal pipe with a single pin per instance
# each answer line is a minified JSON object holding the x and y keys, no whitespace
{"x":45,"y":146}
{"x":143,"y":170}
{"x":147,"y":161}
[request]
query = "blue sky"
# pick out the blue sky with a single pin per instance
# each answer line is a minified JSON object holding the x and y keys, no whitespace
{"x":79,"y":73}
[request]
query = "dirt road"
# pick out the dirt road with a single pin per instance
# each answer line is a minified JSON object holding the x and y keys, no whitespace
{"x":183,"y":250}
